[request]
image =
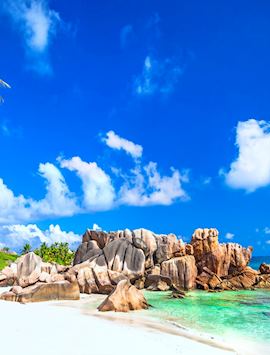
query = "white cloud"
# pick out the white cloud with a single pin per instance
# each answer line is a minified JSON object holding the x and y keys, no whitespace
{"x":229,"y":236}
{"x":251,"y":169}
{"x":16,"y":235}
{"x":58,"y":200}
{"x":13,"y":207}
{"x":267,"y":230}
{"x":158,"y":76}
{"x":37,"y":24}
{"x":143,"y":185}
{"x":98,"y":190}
{"x":147,"y":187}
{"x":96,"y":227}
{"x":115,"y":142}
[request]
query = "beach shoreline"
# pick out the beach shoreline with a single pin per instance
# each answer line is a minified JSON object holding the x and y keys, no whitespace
{"x":76,"y":327}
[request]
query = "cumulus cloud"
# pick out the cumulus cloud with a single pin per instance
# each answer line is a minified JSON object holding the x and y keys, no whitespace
{"x":143,"y":185}
{"x":229,"y":236}
{"x":158,"y":76}
{"x":146,"y":186}
{"x":251,"y":168}
{"x":58,"y":200}
{"x":15,"y":236}
{"x":96,"y":227}
{"x":13,"y":207}
{"x":116,"y":142}
{"x":37,"y":24}
{"x":97,"y":187}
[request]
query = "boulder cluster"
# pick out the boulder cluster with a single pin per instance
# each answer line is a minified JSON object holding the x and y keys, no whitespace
{"x":33,"y":280}
{"x":122,"y":263}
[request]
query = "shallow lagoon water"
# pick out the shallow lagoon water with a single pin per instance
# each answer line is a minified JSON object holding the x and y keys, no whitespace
{"x":243,"y":313}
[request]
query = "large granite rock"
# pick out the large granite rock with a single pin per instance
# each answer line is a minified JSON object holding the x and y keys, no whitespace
{"x":157,"y":283}
{"x":222,"y":259}
{"x":124,"y":298}
{"x":28,"y":269}
{"x":8,"y":275}
{"x":264,"y":268}
{"x":86,"y":251}
{"x":168,"y":246}
{"x":181,"y":270}
{"x":263,"y":281}
{"x":120,"y":259}
{"x":246,"y":279}
{"x":62,"y":290}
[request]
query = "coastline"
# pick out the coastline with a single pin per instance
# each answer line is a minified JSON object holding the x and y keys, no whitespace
{"x":66,"y":326}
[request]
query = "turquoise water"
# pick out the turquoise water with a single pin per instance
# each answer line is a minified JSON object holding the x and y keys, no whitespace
{"x":246,"y":313}
{"x":229,"y":314}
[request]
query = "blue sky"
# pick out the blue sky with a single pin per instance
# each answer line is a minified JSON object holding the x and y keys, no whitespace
{"x":131,"y":114}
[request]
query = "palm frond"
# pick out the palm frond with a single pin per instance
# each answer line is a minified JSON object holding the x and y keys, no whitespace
{"x":4,"y":84}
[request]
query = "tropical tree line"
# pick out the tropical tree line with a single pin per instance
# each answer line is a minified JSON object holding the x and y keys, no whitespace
{"x":56,"y":253}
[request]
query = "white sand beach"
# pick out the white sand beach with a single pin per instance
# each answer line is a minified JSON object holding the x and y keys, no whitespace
{"x":66,"y":328}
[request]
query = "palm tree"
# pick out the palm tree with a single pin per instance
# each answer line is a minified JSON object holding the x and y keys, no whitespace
{"x":4,"y":85}
{"x":26,"y":248}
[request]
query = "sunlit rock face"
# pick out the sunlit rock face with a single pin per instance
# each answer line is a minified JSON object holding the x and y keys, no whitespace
{"x":139,"y":258}
{"x":182,"y":271}
{"x":124,"y":298}
{"x":34,"y":281}
{"x":222,"y":259}
{"x":103,"y":259}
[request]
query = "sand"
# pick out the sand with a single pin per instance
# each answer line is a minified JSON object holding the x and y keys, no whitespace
{"x":71,"y":327}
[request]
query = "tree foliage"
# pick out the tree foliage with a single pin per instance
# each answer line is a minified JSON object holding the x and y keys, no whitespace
{"x":57,"y":252}
{"x":26,"y":248}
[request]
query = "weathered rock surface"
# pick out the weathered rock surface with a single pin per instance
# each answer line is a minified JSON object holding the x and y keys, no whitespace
{"x":119,"y":259}
{"x":28,"y":269}
{"x":8,"y":275}
{"x":182,"y":271}
{"x":264,"y":268}
{"x":34,"y":280}
{"x":141,"y":258}
{"x":244,"y":280}
{"x":263,"y":281}
{"x":222,"y":259}
{"x":124,"y":298}
{"x":62,"y":290}
{"x":158,"y":283}
{"x":168,"y":246}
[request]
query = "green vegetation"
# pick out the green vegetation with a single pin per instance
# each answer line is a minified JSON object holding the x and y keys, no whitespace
{"x":26,"y":248}
{"x":6,"y":258}
{"x":57,"y":252}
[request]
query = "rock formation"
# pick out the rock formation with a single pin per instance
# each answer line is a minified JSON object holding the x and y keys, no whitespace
{"x":59,"y":290}
{"x":34,"y":280}
{"x":181,"y":270}
{"x":125,"y":297}
{"x":119,"y":263}
{"x":103,"y":259}
{"x":222,"y":259}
